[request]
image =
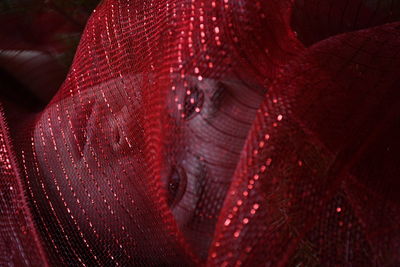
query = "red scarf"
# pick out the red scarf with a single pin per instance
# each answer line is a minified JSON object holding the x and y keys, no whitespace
{"x":218,"y":133}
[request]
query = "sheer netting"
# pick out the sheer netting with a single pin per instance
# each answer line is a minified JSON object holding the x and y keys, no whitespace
{"x":203,"y":132}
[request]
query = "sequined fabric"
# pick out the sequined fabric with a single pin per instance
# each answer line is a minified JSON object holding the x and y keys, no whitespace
{"x":210,"y":133}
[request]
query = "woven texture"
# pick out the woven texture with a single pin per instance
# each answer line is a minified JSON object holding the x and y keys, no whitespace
{"x":205,"y":132}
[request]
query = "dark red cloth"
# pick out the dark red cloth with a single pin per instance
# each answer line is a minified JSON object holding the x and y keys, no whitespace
{"x":217,"y":133}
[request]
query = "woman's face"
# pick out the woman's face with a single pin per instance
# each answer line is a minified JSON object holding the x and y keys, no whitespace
{"x":90,"y":144}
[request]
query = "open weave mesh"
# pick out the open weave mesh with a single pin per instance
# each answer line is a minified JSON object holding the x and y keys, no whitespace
{"x":210,"y":132}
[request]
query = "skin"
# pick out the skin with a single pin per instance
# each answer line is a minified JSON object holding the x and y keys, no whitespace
{"x":206,"y":148}
{"x":203,"y":141}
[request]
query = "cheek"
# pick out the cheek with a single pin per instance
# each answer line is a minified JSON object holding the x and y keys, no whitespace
{"x":95,"y":179}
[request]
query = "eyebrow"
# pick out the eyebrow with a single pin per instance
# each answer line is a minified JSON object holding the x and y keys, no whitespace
{"x":223,"y":90}
{"x":219,"y":93}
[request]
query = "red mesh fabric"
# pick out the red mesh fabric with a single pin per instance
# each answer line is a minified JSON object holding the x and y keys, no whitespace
{"x":307,"y":190}
{"x":19,"y":241}
{"x":217,"y":133}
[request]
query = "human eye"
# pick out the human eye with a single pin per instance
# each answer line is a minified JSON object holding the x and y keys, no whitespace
{"x":192,"y":102}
